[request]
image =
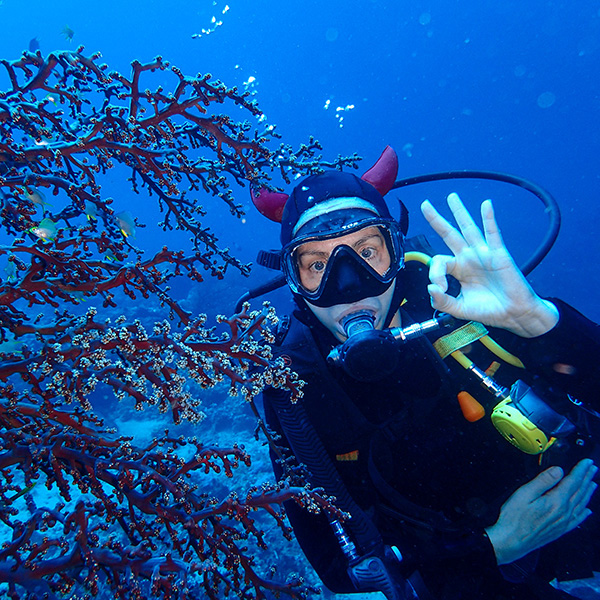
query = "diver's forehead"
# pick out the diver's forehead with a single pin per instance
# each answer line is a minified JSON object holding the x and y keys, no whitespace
{"x":328,"y":245}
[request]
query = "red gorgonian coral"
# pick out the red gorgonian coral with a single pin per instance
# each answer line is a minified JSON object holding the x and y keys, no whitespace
{"x":128,"y":521}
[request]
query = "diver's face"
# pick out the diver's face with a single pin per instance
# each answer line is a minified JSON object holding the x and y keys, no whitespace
{"x":312,"y":259}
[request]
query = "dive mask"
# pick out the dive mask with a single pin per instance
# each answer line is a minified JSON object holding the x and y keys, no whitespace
{"x":344,"y":276}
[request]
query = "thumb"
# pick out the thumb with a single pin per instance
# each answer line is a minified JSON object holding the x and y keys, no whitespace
{"x":545,"y":481}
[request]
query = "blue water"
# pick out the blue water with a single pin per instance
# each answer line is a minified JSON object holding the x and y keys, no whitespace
{"x":508,"y":86}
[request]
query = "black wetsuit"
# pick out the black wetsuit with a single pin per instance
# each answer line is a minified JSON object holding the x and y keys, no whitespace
{"x":427,"y":480}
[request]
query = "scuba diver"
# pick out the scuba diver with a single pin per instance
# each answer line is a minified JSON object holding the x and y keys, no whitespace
{"x":487,"y":496}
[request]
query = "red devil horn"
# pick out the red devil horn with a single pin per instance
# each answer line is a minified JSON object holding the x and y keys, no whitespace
{"x":270,"y":204}
{"x":382,"y":175}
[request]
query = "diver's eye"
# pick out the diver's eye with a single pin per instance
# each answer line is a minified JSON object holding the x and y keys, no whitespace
{"x":367,"y":253}
{"x":318,"y":266}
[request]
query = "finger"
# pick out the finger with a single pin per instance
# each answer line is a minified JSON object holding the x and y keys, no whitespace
{"x":439,"y":267}
{"x":468,"y":227}
{"x":586,"y":496}
{"x":443,"y":302}
{"x":491,"y":230}
{"x":580,"y":518}
{"x":451,"y":236}
{"x":581,"y":474}
{"x":544,"y":482}
{"x":585,"y":489}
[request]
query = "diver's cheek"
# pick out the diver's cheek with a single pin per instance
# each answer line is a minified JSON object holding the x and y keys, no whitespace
{"x":330,"y":318}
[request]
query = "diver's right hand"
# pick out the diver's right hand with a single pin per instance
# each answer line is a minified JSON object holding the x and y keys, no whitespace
{"x":542,"y":510}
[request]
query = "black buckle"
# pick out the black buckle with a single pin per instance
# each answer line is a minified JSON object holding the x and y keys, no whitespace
{"x":270,"y":259}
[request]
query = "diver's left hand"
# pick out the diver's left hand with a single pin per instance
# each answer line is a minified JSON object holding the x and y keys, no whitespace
{"x":493,"y":289}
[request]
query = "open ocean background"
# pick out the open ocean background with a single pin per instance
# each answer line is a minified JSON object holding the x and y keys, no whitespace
{"x":509,"y":86}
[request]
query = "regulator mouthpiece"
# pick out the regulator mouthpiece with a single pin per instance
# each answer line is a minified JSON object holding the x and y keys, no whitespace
{"x":357,"y":322}
{"x":368,"y":354}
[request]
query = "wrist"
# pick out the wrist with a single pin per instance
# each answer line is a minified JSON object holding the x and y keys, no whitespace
{"x":508,"y":544}
{"x":536,"y":321}
{"x":494,"y":535}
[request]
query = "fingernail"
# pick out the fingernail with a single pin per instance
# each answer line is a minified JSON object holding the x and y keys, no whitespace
{"x":556,"y":472}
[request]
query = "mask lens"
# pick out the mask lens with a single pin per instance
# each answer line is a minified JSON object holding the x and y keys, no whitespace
{"x":377,"y":247}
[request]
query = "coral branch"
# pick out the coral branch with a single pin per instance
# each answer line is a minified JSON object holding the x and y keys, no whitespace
{"x":84,"y":511}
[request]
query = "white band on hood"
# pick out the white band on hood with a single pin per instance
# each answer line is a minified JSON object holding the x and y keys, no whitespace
{"x":332,"y":205}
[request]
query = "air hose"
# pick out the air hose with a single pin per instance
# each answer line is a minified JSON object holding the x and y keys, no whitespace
{"x":367,"y":564}
{"x":547,"y":199}
{"x":309,"y":450}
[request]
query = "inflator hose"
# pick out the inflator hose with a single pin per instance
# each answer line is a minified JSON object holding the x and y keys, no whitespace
{"x":261,"y":290}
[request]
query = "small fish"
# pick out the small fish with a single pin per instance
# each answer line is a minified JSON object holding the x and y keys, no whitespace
{"x":36,"y":196}
{"x":91,"y":211}
{"x":11,"y":272}
{"x":18,"y":495}
{"x":110,"y":256}
{"x":68,"y":33}
{"x":34,"y":44}
{"x":77,"y":296}
{"x":126,"y":223}
{"x":46,"y":230}
{"x":11,"y":347}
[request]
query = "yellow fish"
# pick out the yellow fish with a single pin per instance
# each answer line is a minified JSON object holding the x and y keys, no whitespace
{"x":90,"y":210}
{"x":11,"y":347}
{"x":36,"y":196}
{"x":77,"y":296}
{"x":111,"y":257}
{"x":11,"y":272}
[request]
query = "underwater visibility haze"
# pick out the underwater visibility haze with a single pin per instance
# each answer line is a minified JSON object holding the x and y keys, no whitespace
{"x":131,"y":134}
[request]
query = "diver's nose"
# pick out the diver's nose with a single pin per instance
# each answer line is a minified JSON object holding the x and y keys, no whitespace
{"x":348,"y":278}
